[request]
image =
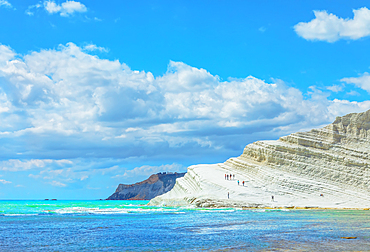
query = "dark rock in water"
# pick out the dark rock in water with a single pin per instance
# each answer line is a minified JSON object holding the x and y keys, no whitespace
{"x":155,"y":185}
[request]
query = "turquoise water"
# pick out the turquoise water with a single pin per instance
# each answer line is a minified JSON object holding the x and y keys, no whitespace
{"x":133,"y":226}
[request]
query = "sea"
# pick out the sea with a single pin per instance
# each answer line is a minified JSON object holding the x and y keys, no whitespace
{"x":100,"y":225}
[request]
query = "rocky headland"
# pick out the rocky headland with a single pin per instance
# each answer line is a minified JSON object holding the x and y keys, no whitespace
{"x":321,"y":168}
{"x":156,"y":184}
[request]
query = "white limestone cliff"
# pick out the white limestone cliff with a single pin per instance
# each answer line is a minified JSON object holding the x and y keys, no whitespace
{"x":324,"y":168}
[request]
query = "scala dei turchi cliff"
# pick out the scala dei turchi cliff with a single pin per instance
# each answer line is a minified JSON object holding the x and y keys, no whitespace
{"x":324,"y":168}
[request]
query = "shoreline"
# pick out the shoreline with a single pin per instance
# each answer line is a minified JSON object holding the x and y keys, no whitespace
{"x":126,"y":199}
{"x":205,"y":186}
{"x":265,"y":207}
{"x":309,"y":208}
{"x":224,"y":206}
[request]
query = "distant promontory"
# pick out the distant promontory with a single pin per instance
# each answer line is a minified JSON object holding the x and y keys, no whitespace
{"x":155,"y":185}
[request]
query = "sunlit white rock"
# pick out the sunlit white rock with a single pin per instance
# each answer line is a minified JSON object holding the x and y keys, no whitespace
{"x":327,"y":167}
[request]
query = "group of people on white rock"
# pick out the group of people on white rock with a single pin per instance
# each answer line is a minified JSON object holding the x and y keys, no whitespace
{"x":232,"y":177}
{"x":229,"y":177}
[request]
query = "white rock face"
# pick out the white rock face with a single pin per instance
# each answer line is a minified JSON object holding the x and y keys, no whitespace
{"x":326,"y":168}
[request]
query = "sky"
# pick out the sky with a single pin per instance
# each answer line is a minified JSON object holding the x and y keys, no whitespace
{"x":97,"y":93}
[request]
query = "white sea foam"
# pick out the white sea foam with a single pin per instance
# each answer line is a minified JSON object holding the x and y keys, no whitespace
{"x":19,"y":215}
{"x":127,"y":210}
{"x":85,"y":210}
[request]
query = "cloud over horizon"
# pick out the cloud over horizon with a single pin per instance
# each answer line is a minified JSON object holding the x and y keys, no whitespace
{"x":68,"y":115}
{"x":330,"y":28}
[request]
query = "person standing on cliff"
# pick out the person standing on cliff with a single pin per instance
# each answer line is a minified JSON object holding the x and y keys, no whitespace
{"x":238,"y":182}
{"x":243,"y":182}
{"x":225,"y":176}
{"x":228,"y":195}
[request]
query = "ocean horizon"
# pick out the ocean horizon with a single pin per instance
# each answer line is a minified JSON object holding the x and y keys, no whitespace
{"x":102,"y":225}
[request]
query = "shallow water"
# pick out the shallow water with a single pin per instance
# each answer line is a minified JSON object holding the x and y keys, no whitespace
{"x":133,"y":226}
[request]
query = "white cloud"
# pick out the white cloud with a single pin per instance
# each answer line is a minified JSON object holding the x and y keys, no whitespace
{"x":6,"y":54}
{"x":22,"y":165}
{"x":66,"y":9}
{"x":92,"y":47}
{"x":18,"y":165}
{"x":3,"y":181}
{"x":52,"y":7}
{"x":30,"y":9}
{"x":66,"y":103}
{"x":328,"y":27}
{"x":343,"y":107}
{"x":361,"y":81}
{"x":353,"y":93}
{"x":335,"y":88}
{"x":72,"y":119}
{"x":5,"y":3}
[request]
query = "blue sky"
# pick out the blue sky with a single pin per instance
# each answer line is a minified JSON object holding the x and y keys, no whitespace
{"x":93,"y":93}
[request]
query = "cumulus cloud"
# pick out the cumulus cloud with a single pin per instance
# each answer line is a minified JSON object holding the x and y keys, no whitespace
{"x":6,"y":54}
{"x":346,"y":107}
{"x":329,"y":27}
{"x":65,"y":9}
{"x":335,"y":88}
{"x":362,"y":81}
{"x":5,"y":3}
{"x":60,"y":105}
{"x":69,"y":93}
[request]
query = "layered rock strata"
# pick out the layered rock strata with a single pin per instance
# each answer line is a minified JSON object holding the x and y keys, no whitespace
{"x":325,"y":168}
{"x":156,"y":184}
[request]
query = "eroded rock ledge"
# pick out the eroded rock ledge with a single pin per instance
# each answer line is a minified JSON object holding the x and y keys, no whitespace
{"x":324,"y":168}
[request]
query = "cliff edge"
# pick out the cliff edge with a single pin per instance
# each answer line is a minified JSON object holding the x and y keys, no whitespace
{"x":324,"y":168}
{"x":156,"y":184}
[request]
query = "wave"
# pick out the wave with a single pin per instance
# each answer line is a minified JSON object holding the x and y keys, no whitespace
{"x":18,"y":214}
{"x":107,"y":209}
{"x":126,"y":210}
